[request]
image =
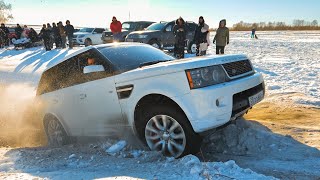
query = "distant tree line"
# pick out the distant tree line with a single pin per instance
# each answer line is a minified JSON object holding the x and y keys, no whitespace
{"x":297,"y":25}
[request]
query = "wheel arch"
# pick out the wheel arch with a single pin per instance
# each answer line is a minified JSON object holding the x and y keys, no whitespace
{"x":155,"y":98}
{"x":47,"y":116}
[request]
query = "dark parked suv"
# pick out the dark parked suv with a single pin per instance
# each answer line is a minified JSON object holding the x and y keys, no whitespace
{"x":127,"y":27}
{"x":160,"y":35}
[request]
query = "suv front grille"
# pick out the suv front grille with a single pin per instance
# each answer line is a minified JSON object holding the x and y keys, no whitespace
{"x":234,"y":69}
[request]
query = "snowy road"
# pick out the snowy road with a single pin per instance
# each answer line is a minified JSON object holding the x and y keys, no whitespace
{"x":290,"y":63}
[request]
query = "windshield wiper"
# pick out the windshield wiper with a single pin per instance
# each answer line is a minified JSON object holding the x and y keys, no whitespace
{"x":151,"y":63}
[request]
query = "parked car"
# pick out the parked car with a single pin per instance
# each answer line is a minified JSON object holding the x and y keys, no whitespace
{"x":167,"y":103}
{"x":88,"y":36}
{"x":127,"y":27}
{"x":160,"y":35}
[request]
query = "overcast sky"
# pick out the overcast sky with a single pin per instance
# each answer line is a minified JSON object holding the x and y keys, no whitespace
{"x":99,"y":12}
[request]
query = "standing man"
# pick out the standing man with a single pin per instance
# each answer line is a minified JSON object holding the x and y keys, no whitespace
{"x":63,"y":35}
{"x":56,"y":35}
{"x":253,"y":33}
{"x":179,"y":31}
{"x":201,"y":37}
{"x":221,"y":37}
{"x":69,"y":31}
{"x":116,"y":28}
{"x":18,"y":31}
{"x":45,"y":34}
{"x":6,"y":31}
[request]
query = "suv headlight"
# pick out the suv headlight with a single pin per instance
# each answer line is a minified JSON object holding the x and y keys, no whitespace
{"x":142,"y":36}
{"x":81,"y":36}
{"x":206,"y":76}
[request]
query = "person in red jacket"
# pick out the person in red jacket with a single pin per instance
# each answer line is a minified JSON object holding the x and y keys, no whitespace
{"x":116,"y":28}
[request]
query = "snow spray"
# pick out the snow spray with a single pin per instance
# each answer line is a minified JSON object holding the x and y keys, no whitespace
{"x":19,"y":124}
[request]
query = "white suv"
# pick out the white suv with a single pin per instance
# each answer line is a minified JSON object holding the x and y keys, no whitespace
{"x":167,"y":103}
{"x":88,"y":36}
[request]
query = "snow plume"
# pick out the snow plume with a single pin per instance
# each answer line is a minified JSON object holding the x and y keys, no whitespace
{"x":19,"y":124}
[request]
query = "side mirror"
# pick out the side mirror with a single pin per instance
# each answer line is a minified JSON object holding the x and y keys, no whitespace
{"x":94,"y":33}
{"x":93,"y":68}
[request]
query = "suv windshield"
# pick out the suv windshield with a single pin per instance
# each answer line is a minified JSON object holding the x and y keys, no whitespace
{"x":156,"y":26}
{"x":88,"y":30}
{"x":128,"y":26}
{"x":127,"y":58}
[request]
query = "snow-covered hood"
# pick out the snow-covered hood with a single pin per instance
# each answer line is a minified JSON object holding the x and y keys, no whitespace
{"x":176,"y":66}
{"x":80,"y":33}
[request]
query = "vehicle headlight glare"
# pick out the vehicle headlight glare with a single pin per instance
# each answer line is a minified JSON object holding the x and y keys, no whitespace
{"x":206,"y":76}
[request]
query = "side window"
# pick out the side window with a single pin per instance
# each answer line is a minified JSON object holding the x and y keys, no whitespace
{"x":92,"y":57}
{"x":191,"y":27}
{"x":70,"y":72}
{"x":98,"y":30}
{"x":169,"y":28}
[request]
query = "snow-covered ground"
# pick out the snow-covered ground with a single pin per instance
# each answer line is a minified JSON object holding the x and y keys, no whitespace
{"x":289,"y":61}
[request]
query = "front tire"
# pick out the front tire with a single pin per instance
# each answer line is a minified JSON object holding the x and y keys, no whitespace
{"x":192,"y":49}
{"x":56,"y":134}
{"x":87,"y":42}
{"x":155,"y":43}
{"x":167,"y":129}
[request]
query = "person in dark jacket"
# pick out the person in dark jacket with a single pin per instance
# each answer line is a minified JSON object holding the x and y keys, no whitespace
{"x":222,"y":37}
{"x":2,"y":38}
{"x":56,"y":35}
{"x":18,"y":31}
{"x":6,"y":31}
{"x":69,"y":31}
{"x":51,"y":35}
{"x":179,"y":31}
{"x":201,"y":37}
{"x":45,"y":34}
{"x":63,"y":34}
{"x":33,"y":35}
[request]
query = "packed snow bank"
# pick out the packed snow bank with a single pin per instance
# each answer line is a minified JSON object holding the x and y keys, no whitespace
{"x":91,"y":161}
{"x":288,"y":60}
{"x":252,"y":145}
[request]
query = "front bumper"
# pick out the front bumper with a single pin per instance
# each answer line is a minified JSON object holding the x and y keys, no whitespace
{"x":78,"y":41}
{"x":213,"y":106}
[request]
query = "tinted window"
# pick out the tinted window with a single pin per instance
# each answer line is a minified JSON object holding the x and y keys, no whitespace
{"x":70,"y":72}
{"x":126,"y":58}
{"x":169,"y":28}
{"x":99,"y":30}
{"x":191,"y":27}
{"x":129,"y":26}
{"x":156,"y":26}
{"x":88,"y":30}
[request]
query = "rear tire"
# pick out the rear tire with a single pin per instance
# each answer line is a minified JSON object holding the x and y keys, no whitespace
{"x":167,"y":129}
{"x":192,"y":48}
{"x":55,"y":132}
{"x":87,"y":42}
{"x":155,"y":43}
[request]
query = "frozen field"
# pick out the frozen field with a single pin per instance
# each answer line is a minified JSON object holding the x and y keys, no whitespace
{"x":290,"y":63}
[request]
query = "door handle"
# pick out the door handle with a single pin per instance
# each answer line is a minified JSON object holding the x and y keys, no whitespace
{"x":83,"y":96}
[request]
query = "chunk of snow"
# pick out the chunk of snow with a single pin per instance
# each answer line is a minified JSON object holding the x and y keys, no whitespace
{"x":72,"y":156}
{"x":116,"y":147}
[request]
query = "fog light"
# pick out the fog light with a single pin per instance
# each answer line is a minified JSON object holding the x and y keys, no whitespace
{"x":217,"y":103}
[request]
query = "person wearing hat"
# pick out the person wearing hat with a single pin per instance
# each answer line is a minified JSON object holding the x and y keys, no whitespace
{"x":222,"y":37}
{"x":116,"y":28}
{"x":180,"y":32}
{"x":201,"y":37}
{"x":69,"y":32}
